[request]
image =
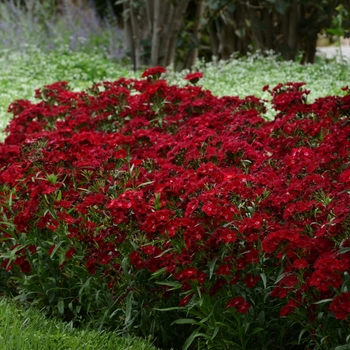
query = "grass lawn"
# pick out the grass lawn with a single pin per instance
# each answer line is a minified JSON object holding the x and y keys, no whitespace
{"x":29,"y":330}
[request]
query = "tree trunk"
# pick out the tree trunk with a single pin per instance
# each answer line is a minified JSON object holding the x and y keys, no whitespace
{"x":193,"y":54}
{"x":293,"y":18}
{"x":155,"y":34}
{"x":135,"y":37}
{"x":151,"y":30}
{"x":128,"y":33}
{"x":174,"y":31}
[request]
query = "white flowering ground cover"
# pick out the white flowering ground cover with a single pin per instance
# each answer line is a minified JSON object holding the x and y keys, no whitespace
{"x":22,"y":73}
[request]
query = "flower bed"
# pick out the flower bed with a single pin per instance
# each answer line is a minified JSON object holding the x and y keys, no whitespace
{"x":169,"y":211}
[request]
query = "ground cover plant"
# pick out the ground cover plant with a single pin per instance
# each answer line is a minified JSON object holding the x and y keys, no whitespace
{"x":22,"y":73}
{"x":161,"y":210}
{"x":28,"y":330}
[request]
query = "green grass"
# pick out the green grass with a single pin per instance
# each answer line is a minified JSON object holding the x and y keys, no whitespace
{"x":29,"y":330}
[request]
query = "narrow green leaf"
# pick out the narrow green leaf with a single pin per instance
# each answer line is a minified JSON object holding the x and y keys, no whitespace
{"x":343,"y":347}
{"x":60,"y":306}
{"x":164,"y":252}
{"x":301,"y":335}
{"x":128,"y":310}
{"x":211,"y":267}
{"x":323,"y":301}
{"x":190,"y":339}
{"x":86,"y":287}
{"x":173,"y":285}
{"x":125,"y":267}
{"x":256,"y":330}
{"x":185,"y":321}
{"x":217,"y":328}
{"x":263,"y":277}
{"x":10,"y":199}
{"x":56,"y":248}
{"x":158,"y":273}
{"x":145,"y":184}
{"x":343,"y":250}
{"x":172,"y":308}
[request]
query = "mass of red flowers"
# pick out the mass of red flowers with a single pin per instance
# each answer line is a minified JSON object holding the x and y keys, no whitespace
{"x":204,"y":187}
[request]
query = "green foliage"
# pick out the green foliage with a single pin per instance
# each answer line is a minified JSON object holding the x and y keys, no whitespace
{"x":27,"y":329}
{"x":340,"y":23}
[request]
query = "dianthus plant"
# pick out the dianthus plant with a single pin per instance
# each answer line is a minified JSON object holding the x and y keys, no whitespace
{"x":192,"y":215}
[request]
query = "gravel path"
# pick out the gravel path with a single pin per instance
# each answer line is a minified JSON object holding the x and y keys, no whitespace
{"x":334,"y":51}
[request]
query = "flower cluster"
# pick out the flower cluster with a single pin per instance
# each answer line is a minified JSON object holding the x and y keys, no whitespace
{"x":175,"y":180}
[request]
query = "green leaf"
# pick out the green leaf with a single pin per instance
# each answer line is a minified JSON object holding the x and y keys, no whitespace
{"x":185,"y":321}
{"x":158,"y":273}
{"x":336,"y":31}
{"x":301,"y":335}
{"x":10,"y":199}
{"x":323,"y":301}
{"x":256,"y":330}
{"x":191,"y":338}
{"x":164,"y":252}
{"x":145,"y":184}
{"x":263,"y":277}
{"x":173,"y":285}
{"x":171,"y":308}
{"x":59,"y":195}
{"x":56,"y":248}
{"x":129,"y":299}
{"x":216,"y":331}
{"x":125,"y":267}
{"x":86,"y":287}
{"x":343,"y":347}
{"x":343,"y":250}
{"x":11,"y":255}
{"x":211,"y":267}
{"x":60,"y":306}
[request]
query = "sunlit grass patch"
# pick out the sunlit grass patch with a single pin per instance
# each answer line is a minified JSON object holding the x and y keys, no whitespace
{"x":28,"y":330}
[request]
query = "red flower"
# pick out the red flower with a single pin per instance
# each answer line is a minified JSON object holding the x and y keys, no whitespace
{"x":226,"y":235}
{"x":70,"y":252}
{"x":223,"y":270}
{"x":32,"y":248}
{"x":136,"y":260}
{"x":345,"y":176}
{"x":51,"y":249}
{"x":91,"y":266}
{"x":194,"y":77}
{"x":189,"y":273}
{"x":184,"y":301}
{"x":300,"y":263}
{"x":340,"y":306}
{"x":240,"y":304}
{"x":251,"y":280}
{"x":153,"y":72}
{"x":288,"y":308}
{"x":25,"y":266}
